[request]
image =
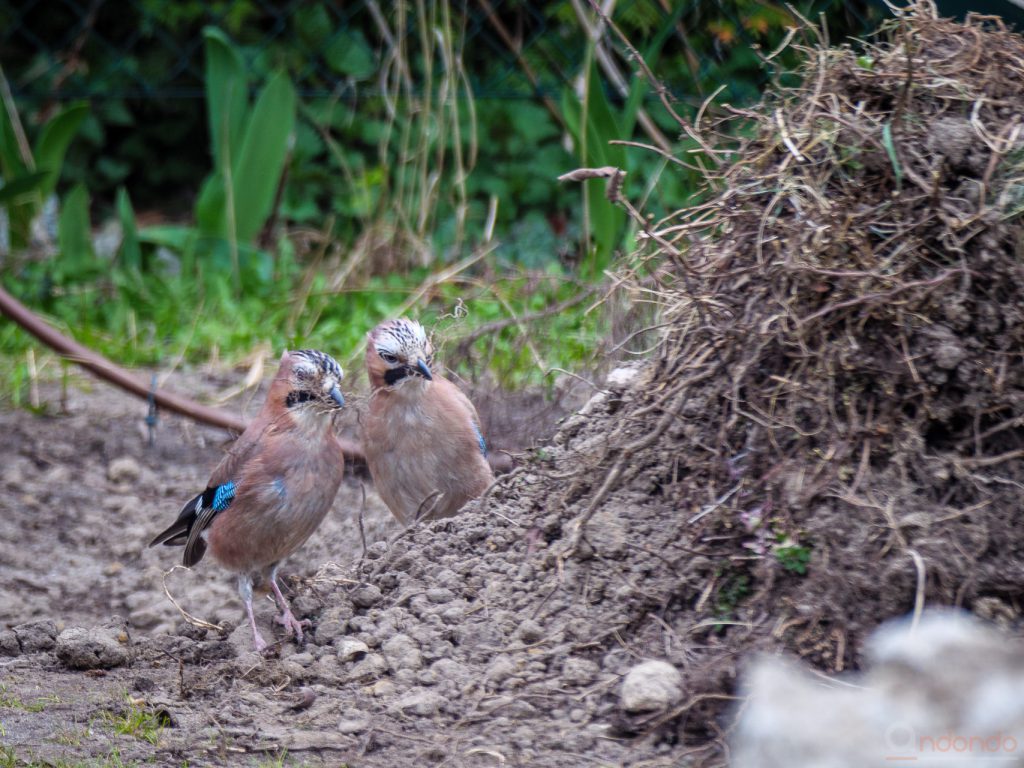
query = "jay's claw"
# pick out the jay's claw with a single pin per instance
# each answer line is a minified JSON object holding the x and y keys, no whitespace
{"x":292,"y":625}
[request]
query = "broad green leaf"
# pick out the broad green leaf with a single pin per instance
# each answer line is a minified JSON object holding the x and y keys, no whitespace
{"x":131,"y":251}
{"x":22,"y":185}
{"x":256,"y":171}
{"x":12,"y":161}
{"x":74,"y":232}
{"x":227,"y":95}
{"x":174,"y":236}
{"x":349,"y":54}
{"x":53,"y":143}
{"x":210,"y":206}
{"x":602,"y":125}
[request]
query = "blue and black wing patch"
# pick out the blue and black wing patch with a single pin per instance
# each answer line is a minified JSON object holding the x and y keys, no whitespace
{"x":480,"y":439}
{"x":194,"y":518}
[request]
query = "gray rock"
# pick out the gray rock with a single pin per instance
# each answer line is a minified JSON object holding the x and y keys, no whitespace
{"x":368,"y":669}
{"x":9,"y":644}
{"x":94,"y":647}
{"x":402,"y":652}
{"x":36,"y":636}
{"x":350,"y":649}
{"x":353,"y":721}
{"x":333,"y":623}
{"x":499,"y":669}
{"x":123,"y":470}
{"x":366,"y":596}
{"x":440,"y":595}
{"x":530,"y":631}
{"x":420,"y":702}
{"x":579,"y":671}
{"x":651,"y":686}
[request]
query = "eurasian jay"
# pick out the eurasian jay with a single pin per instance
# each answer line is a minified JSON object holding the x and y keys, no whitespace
{"x":421,"y":435}
{"x":274,"y":486}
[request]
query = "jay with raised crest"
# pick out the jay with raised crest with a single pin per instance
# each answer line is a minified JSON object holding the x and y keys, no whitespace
{"x":421,"y":434}
{"x":274,"y":486}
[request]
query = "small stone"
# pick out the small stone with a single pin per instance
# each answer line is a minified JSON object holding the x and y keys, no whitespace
{"x":651,"y":686}
{"x":402,"y":652}
{"x":381,"y":689}
{"x":366,"y":596}
{"x":368,"y":669}
{"x":350,"y":649}
{"x":94,"y":647}
{"x":291,"y":669}
{"x":579,"y":671}
{"x":530,"y":631}
{"x":440,"y":595}
{"x":620,"y":378}
{"x":36,"y":636}
{"x":9,"y":644}
{"x":453,"y":614}
{"x":333,"y":623}
{"x":499,"y":669}
{"x":123,"y":470}
{"x":353,"y":722}
{"x":420,"y":702}
{"x":304,"y":659}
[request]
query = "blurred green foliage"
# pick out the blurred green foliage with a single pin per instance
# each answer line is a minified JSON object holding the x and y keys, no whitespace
{"x":421,"y":133}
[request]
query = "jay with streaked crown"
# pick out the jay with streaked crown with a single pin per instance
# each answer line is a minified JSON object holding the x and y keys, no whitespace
{"x":421,"y":434}
{"x":274,"y":486}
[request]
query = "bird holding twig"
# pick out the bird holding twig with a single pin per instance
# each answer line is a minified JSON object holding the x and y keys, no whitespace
{"x":273,"y":488}
{"x":421,"y":434}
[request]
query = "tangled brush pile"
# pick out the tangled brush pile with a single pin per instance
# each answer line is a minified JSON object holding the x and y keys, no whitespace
{"x":835,"y":413}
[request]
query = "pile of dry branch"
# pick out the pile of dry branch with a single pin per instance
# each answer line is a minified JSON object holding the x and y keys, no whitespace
{"x":835,"y":414}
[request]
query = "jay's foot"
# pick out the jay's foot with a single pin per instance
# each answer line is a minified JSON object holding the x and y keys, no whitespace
{"x":292,"y":625}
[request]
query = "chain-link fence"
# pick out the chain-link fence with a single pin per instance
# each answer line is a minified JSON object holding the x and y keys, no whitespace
{"x":152,"y":49}
{"x":140,"y":64}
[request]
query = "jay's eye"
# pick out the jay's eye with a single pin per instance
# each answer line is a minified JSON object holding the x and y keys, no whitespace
{"x":387,"y":357}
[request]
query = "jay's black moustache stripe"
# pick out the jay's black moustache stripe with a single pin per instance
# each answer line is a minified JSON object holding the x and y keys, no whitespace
{"x":394,"y":375}
{"x":296,"y":396}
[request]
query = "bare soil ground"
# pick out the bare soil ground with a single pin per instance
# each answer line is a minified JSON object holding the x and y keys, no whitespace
{"x":439,"y":649}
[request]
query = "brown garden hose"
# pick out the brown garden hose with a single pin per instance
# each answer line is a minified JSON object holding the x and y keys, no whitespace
{"x":106,"y":370}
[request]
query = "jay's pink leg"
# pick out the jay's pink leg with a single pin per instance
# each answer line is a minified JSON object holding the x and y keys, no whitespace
{"x":245,"y":590}
{"x":287,"y":619}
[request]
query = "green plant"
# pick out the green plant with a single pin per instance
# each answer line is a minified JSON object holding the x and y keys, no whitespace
{"x":30,"y":172}
{"x":793,"y":557}
{"x":735,"y":588}
{"x":136,"y":722}
{"x":9,"y":701}
{"x":249,"y":146}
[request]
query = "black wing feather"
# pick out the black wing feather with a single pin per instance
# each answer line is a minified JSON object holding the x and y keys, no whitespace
{"x":194,"y":518}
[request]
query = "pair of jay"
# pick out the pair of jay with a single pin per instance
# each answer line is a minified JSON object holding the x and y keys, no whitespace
{"x":421,"y":437}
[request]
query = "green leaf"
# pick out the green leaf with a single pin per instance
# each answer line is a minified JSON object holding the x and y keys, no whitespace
{"x":23,"y":185}
{"x":349,"y":54}
{"x":227,"y":97}
{"x":131,"y":251}
{"x":210,"y":206}
{"x":174,"y":236}
{"x":53,"y":143}
{"x":890,"y":150}
{"x":11,"y":162}
{"x":74,"y":232}
{"x":256,"y":171}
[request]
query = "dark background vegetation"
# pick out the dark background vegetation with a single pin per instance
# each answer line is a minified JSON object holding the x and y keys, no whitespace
{"x":419,"y":172}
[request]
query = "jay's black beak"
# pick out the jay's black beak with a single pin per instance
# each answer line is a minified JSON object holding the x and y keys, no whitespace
{"x":337,"y":397}
{"x":424,"y":369}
